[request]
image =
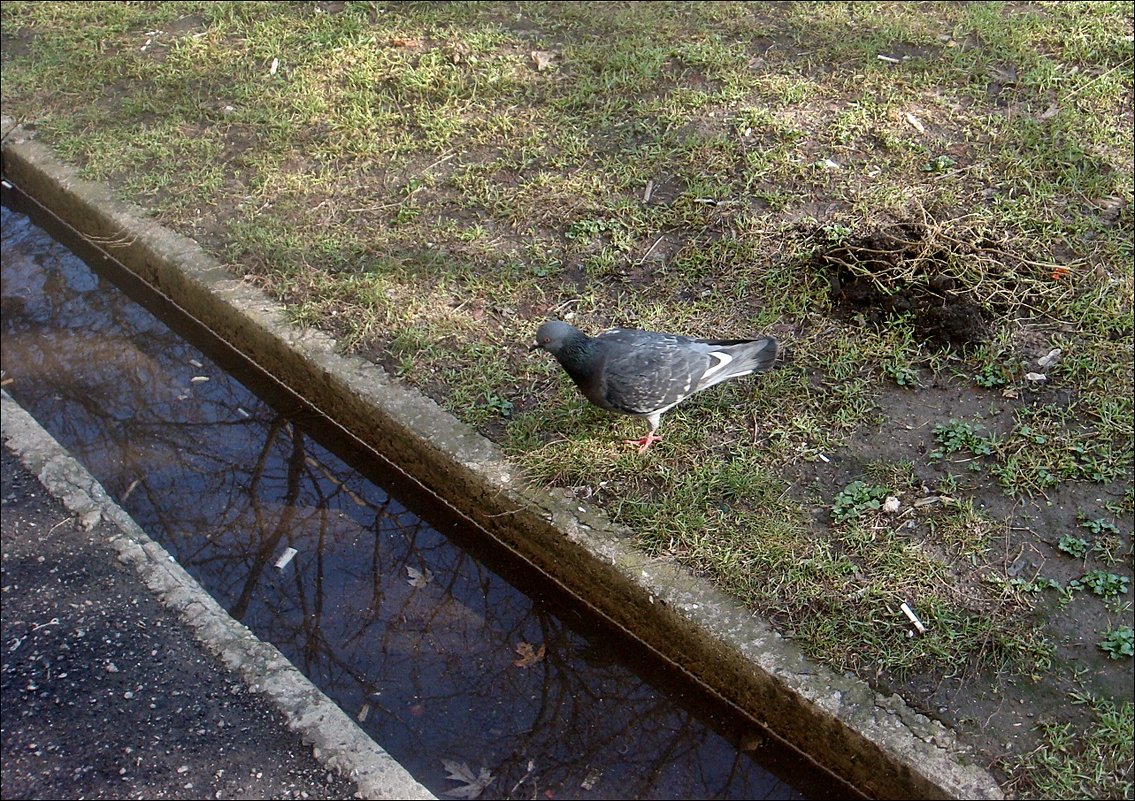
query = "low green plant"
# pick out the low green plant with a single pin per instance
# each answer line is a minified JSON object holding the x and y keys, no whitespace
{"x":1101,"y":583}
{"x":406,"y":215}
{"x":1124,"y":504}
{"x":1118,"y":643}
{"x":1108,"y":548}
{"x":958,"y":435}
{"x":1094,"y":463}
{"x":901,"y":374}
{"x":1100,"y":525}
{"x":501,"y":406}
{"x":1026,"y":432}
{"x":1038,"y":584}
{"x":993,"y":374}
{"x":835,"y":233}
{"x":856,"y":499}
{"x":1073,"y":546}
{"x":941,"y":163}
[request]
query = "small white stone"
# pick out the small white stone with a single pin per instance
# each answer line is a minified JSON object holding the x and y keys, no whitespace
{"x":1050,"y":358}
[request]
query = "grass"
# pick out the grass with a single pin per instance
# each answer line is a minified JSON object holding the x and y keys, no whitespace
{"x":1092,"y":762}
{"x":916,"y":199}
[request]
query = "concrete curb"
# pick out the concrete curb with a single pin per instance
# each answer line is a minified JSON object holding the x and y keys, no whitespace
{"x":337,"y":742}
{"x":878,"y":744}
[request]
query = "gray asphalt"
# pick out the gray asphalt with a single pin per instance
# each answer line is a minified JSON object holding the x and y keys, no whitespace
{"x":106,"y":692}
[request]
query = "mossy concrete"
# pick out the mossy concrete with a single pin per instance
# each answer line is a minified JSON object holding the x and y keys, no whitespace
{"x":876,"y":743}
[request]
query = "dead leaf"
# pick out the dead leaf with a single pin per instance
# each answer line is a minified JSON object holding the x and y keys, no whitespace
{"x":542,"y":59}
{"x":405,"y":41}
{"x":1110,"y":207}
{"x":419,"y":578}
{"x":461,"y":52}
{"x":473,"y":785}
{"x":915,"y":122}
{"x":528,"y":654}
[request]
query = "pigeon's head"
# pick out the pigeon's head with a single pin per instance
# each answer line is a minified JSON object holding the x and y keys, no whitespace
{"x":554,"y":335}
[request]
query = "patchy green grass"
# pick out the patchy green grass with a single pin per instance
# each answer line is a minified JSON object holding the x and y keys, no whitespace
{"x":930,"y":205}
{"x":1091,"y":761}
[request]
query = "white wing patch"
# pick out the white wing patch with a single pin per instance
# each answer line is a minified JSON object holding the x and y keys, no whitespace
{"x":723,"y":360}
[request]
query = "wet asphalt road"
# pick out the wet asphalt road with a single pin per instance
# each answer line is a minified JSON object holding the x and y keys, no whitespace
{"x":105,"y":694}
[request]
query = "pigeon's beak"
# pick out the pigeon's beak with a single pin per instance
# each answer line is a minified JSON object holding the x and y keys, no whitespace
{"x":533,"y":347}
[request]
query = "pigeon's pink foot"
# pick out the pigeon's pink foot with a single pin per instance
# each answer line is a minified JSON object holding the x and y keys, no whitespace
{"x":645,"y":442}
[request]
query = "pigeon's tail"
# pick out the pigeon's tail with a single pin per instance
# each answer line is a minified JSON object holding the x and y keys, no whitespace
{"x":748,"y":355}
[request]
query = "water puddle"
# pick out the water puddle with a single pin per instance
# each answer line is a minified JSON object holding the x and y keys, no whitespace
{"x":437,"y":655}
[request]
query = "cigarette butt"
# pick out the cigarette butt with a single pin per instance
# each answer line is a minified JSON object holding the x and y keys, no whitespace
{"x":914,"y":618}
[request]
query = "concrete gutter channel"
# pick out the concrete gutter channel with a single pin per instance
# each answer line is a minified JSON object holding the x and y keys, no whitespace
{"x":336,"y":741}
{"x":876,"y":743}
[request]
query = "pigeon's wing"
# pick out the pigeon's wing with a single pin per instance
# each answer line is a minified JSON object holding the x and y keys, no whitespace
{"x":643,"y":372}
{"x":736,"y":357}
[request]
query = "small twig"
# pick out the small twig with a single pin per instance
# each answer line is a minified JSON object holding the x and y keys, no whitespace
{"x":524,"y":778}
{"x":382,"y":207}
{"x":650,"y":250}
{"x":565,"y":304}
{"x":442,"y":160}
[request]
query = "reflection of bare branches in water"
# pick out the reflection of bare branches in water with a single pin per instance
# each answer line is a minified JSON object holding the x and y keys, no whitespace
{"x":270,"y":544}
{"x":225,"y":484}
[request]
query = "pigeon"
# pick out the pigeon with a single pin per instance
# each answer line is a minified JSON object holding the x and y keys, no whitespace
{"x":646,"y":374}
